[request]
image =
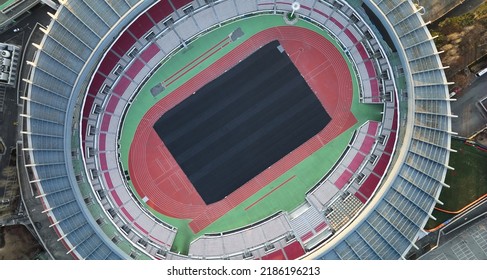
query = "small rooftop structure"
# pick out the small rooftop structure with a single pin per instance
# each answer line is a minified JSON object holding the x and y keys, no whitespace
{"x":9,"y":60}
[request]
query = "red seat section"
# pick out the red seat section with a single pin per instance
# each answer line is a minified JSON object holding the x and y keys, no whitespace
{"x":149,"y":53}
{"x":369,"y":185}
{"x":141,"y":228}
{"x":336,"y":22}
{"x":123,"y":43}
{"x":118,"y":201}
{"x":160,"y":11}
{"x":86,"y":113}
{"x":357,"y":160}
{"x":343,"y":179}
{"x":381,"y":165}
{"x":367,"y":144}
{"x":121,"y":86}
{"x":373,"y":126}
{"x":84,"y":125}
{"x":351,"y":37}
{"x":321,"y":226}
{"x":141,"y":25}
{"x":112,"y":104}
{"x":103,"y":161}
{"x":105,"y":123}
{"x":394,"y":120}
{"x":108,"y":179}
{"x":307,"y":236}
{"x":361,"y":197}
{"x":180,"y":3}
{"x":374,"y":84}
{"x":90,"y":99}
{"x":277,"y":255}
{"x":362,"y":51}
{"x":108,"y":63}
{"x":294,"y":250}
{"x":127,"y":214}
{"x":370,"y":69}
{"x":135,"y":68}
{"x":390,"y":143}
{"x":102,"y":139}
{"x":96,"y":84}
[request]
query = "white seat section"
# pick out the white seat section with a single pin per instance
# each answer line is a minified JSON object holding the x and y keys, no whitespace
{"x":308,"y":223}
{"x":225,"y":10}
{"x":206,"y":18}
{"x":225,"y":244}
{"x":168,"y":42}
{"x":244,"y":7}
{"x":186,"y":28}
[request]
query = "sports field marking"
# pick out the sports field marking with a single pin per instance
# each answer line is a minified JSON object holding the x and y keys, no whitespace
{"x":207,"y":55}
{"x":267,"y":194}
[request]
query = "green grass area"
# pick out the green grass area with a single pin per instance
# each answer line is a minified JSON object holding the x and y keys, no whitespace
{"x":306,"y":174}
{"x":467,"y":182}
{"x":5,"y":3}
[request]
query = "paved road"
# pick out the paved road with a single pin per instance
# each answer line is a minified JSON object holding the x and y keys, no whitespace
{"x":471,"y":118}
{"x":465,"y":237}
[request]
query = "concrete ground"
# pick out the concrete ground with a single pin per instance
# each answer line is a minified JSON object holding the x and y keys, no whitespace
{"x":464,"y":238}
{"x":471,"y":117}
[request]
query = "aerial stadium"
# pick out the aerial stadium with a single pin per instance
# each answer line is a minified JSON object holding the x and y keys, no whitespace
{"x":259,"y":129}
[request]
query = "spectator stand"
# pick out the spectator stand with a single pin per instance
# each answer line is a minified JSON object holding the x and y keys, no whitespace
{"x":271,"y":238}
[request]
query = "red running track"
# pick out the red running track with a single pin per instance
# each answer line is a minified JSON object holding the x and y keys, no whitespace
{"x":158,"y":178}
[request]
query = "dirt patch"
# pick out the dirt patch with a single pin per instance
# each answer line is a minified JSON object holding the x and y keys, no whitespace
{"x":9,"y":186}
{"x":2,"y":239}
{"x":18,"y":244}
{"x":482,"y":138}
{"x":462,"y":40}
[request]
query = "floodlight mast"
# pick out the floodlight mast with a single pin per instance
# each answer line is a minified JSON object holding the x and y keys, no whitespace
{"x":295,"y":6}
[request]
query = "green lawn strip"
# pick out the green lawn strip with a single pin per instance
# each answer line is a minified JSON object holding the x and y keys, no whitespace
{"x":467,"y":182}
{"x":307,"y":173}
{"x":5,"y":3}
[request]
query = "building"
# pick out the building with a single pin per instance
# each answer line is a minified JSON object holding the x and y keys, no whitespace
{"x":95,"y":56}
{"x":9,"y":60}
